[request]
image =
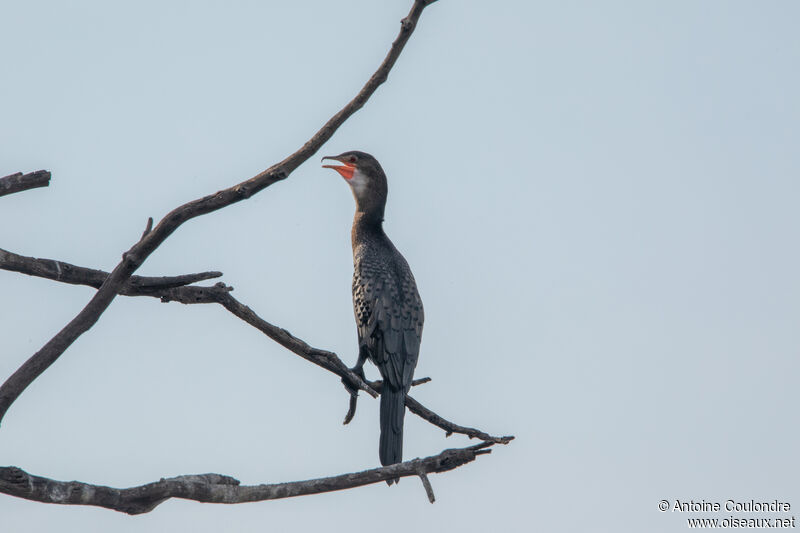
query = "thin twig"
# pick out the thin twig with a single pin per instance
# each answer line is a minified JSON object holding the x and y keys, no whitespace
{"x":133,"y":258}
{"x":426,"y":483}
{"x":423,"y":412}
{"x":148,"y":228}
{"x":22,"y":182}
{"x":216,"y":488}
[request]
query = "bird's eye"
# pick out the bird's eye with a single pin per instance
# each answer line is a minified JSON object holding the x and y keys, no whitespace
{"x":352,"y":159}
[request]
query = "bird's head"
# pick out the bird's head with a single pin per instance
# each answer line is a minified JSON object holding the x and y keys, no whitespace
{"x":365,"y":176}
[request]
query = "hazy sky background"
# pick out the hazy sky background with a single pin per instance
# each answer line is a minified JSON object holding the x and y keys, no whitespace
{"x":599,"y":201}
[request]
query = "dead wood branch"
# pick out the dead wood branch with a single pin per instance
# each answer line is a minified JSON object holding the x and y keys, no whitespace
{"x":170,"y":289}
{"x":77,"y":275}
{"x":216,"y":488}
{"x":423,"y":412}
{"x":22,"y":182}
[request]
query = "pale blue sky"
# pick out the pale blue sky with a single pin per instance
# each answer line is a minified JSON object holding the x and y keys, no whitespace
{"x":598,"y":200}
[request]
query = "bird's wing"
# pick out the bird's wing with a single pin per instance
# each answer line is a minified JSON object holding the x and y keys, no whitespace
{"x":389,"y":316}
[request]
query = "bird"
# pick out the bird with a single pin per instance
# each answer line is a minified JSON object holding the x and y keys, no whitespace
{"x":388,"y":309}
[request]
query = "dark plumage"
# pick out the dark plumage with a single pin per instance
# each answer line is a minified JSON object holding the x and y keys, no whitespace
{"x":387,"y":306}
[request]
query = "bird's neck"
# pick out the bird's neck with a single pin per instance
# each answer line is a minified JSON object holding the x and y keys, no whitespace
{"x":367,"y":227}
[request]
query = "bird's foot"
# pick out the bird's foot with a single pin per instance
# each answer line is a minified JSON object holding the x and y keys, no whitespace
{"x":351,"y":387}
{"x":353,"y":390}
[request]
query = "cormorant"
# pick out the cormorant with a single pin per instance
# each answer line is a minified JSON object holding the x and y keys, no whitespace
{"x":387,"y":306}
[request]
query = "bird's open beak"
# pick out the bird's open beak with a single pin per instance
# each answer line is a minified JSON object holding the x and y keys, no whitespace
{"x":346,"y":170}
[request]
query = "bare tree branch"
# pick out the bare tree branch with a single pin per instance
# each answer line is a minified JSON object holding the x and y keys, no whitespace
{"x":77,"y":275}
{"x":423,"y":412}
{"x":192,"y":294}
{"x":22,"y":182}
{"x":325,"y":359}
{"x":216,"y":488}
{"x":133,"y":258}
{"x":168,"y":289}
{"x":330,"y":361}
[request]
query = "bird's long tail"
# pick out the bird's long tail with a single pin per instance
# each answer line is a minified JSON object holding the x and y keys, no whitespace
{"x":393,"y":411}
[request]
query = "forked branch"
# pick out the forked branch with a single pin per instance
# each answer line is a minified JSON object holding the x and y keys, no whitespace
{"x":169,"y":289}
{"x":77,"y":275}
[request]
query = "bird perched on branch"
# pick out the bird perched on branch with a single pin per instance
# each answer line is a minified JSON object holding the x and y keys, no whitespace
{"x":387,"y":306}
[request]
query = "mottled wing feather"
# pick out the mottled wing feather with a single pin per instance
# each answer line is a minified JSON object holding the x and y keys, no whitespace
{"x":389,"y":316}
